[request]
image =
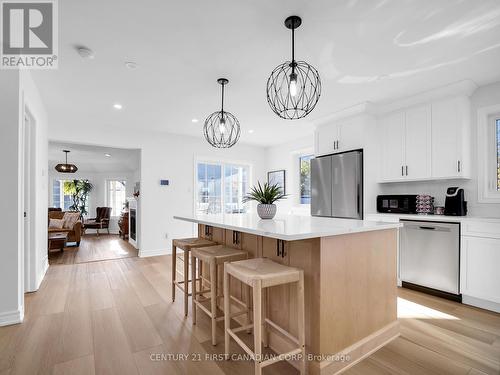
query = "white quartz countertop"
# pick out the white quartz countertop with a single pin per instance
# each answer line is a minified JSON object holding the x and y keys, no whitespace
{"x":289,"y":227}
{"x":452,"y":219}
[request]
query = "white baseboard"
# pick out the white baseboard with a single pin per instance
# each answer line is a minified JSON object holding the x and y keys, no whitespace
{"x":154,"y":253}
{"x":12,"y":317}
{"x":41,"y":276}
{"x":481,"y":303}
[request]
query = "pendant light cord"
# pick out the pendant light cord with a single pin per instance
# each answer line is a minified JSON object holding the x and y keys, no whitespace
{"x":222,"y":99}
{"x":293,"y":47}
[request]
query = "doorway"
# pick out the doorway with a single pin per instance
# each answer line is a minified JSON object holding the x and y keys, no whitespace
{"x":29,"y":201}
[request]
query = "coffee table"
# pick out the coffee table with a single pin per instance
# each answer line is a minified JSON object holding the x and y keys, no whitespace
{"x":57,"y":240}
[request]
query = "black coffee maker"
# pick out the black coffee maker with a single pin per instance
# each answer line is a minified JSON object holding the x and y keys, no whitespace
{"x":455,"y":204}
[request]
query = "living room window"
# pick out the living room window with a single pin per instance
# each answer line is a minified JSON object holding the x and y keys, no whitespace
{"x":61,"y":198}
{"x":305,"y":178}
{"x":220,"y":187}
{"x":116,"y":196}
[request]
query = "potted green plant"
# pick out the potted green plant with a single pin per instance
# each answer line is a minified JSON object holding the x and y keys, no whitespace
{"x":265,"y":196}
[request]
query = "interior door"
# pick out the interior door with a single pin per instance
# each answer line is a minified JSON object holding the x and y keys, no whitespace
{"x":418,"y":142}
{"x":392,"y":143}
{"x":321,"y":186}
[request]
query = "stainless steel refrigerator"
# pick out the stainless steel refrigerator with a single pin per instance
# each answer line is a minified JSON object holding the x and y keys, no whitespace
{"x":337,"y":185}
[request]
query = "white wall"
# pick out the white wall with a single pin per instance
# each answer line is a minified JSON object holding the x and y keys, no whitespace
{"x":97,"y":196}
{"x":163,"y":156}
{"x":11,"y":305}
{"x":286,"y":156}
{"x":34,"y":105}
{"x":17,"y":90}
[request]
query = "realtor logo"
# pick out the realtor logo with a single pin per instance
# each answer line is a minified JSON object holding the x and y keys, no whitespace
{"x":28,"y":34}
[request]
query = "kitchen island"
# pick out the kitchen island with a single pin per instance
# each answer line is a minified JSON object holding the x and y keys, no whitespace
{"x":350,"y":280}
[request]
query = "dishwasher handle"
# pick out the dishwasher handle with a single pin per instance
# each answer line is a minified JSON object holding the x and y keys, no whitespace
{"x":427,"y":228}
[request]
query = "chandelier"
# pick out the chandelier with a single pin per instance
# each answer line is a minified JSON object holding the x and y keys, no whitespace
{"x":66,"y":168}
{"x":294,"y":87}
{"x":222,"y":129}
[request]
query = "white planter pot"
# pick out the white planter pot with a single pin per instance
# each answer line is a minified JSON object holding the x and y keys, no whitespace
{"x":266,"y":211}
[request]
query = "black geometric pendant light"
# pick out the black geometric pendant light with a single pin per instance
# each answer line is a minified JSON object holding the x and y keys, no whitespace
{"x":222,"y":129}
{"x":294,"y":87}
{"x":66,"y":168}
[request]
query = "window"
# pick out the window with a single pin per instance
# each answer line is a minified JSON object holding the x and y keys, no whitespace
{"x":61,"y":197}
{"x":116,"y":196}
{"x":305,"y":178}
{"x":221,"y":188}
{"x":488,"y":144}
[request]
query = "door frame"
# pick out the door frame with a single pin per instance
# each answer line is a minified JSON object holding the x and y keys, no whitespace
{"x":29,"y":227}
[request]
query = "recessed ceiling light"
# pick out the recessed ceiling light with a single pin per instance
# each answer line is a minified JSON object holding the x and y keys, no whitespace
{"x":85,"y":53}
{"x":131,"y":65}
{"x":107,"y":155}
{"x":251,"y":131}
{"x":195,"y":120}
{"x":117,"y":106}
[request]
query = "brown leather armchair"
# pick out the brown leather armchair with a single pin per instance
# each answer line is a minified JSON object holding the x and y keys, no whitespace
{"x":101,"y":221}
{"x":74,"y":234}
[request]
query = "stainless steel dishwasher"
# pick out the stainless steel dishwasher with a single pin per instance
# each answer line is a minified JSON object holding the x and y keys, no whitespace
{"x":430,"y":257}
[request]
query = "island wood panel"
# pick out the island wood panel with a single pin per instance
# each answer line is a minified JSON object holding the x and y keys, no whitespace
{"x":282,"y":300}
{"x":358,"y":292}
{"x":233,"y":240}
{"x":277,"y":296}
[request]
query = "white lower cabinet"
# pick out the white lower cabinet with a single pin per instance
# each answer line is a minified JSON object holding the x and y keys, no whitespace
{"x":480,"y":271}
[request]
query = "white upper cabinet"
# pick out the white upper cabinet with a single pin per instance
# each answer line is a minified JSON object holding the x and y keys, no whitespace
{"x":450,"y":137}
{"x":339,"y":136}
{"x":418,"y":142}
{"x":426,"y":142}
{"x":392,"y":140}
{"x":325,"y":139}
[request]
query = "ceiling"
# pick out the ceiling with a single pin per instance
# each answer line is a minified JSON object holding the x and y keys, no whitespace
{"x":365,"y":50}
{"x":92,"y":159}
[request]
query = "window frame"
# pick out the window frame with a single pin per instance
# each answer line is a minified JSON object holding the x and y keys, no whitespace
{"x":106,"y":194}
{"x":487,"y":158}
{"x":222,"y":162}
{"x":299,"y":159}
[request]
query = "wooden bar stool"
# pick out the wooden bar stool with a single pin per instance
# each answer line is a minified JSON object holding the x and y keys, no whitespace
{"x":185,"y":244}
{"x":261,"y":273}
{"x":213,"y":256}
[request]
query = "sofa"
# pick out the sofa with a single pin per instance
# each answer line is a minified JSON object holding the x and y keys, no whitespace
{"x":74,"y":234}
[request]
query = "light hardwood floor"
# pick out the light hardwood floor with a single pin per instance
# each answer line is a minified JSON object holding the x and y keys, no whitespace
{"x":94,"y":248}
{"x":109,"y":317}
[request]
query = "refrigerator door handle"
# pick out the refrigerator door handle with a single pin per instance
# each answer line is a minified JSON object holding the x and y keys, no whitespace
{"x":358,"y":196}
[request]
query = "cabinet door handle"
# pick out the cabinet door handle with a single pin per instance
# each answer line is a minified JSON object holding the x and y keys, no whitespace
{"x":407,"y":170}
{"x":458,"y":166}
{"x":277,"y":248}
{"x":402,"y":170}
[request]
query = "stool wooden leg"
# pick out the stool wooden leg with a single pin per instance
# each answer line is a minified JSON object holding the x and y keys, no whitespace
{"x":193,"y":277}
{"x":174,"y":270}
{"x":301,"y":322}
{"x":227,"y":312}
{"x":257,"y":325}
{"x":186,"y":281}
{"x":213,"y":299}
{"x":265,"y":338}
{"x":248,"y":319}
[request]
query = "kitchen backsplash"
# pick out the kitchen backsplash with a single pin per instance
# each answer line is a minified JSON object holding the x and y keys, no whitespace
{"x":438,"y":190}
